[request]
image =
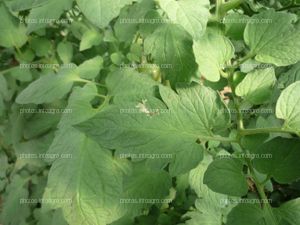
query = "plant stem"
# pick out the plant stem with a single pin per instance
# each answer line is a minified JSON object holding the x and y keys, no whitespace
{"x":6,"y":70}
{"x":244,"y":59}
{"x":246,"y":132}
{"x":215,"y":138}
{"x":271,"y":219}
{"x":240,"y":123}
{"x":102,"y":96}
{"x":218,"y":9}
{"x":230,"y":5}
{"x":88,"y":82}
{"x":288,"y":7}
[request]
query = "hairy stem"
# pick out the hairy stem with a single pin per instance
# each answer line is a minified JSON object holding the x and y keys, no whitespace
{"x":227,"y":6}
{"x":270,"y":217}
{"x":218,"y":9}
{"x":245,"y":132}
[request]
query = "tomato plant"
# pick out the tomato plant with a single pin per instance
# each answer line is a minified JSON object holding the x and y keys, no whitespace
{"x":149,"y":112}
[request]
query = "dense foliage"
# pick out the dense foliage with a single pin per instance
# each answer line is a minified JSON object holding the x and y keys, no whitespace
{"x":123,"y":112}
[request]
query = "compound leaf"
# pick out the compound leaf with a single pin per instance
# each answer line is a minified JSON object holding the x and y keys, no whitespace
{"x":139,"y":125}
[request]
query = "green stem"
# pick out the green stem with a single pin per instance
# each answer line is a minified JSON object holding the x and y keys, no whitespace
{"x":288,"y":7}
{"x":240,"y":123}
{"x":227,"y":6}
{"x":6,"y":70}
{"x":271,"y":219}
{"x":246,"y":132}
{"x":241,"y":131}
{"x":218,"y":9}
{"x":244,"y":59}
{"x":89,"y":82}
{"x":215,"y":138}
{"x":102,"y":96}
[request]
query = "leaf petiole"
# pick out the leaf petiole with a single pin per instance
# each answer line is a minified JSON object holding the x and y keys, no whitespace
{"x":245,"y":132}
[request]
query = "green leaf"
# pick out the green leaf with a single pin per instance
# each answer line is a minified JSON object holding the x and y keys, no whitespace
{"x":211,"y":59}
{"x":290,"y":212}
{"x":288,"y":107}
{"x":283,"y":166}
{"x":221,"y":168}
{"x":192,"y":15}
{"x":291,"y":76}
{"x":146,"y":29}
{"x":65,"y":51}
{"x":3,"y":87}
{"x":101,"y":12}
{"x":171,"y":48}
{"x":186,"y":160}
{"x":119,"y":81}
{"x":48,"y":88}
{"x":40,"y":123}
{"x":274,"y":38}
{"x":46,"y":13}
{"x":13,"y":33}
{"x":235,"y":24}
{"x":257,"y":86}
{"x":21,"y":74}
{"x":89,"y":69}
{"x":4,"y":166}
{"x":246,"y":214}
{"x":79,"y":106}
{"x":90,"y":38}
{"x":211,"y":206}
{"x":91,"y":179}
{"x":41,"y":46}
{"x":49,"y":218}
{"x":20,"y":5}
{"x":13,"y":201}
{"x":147,"y":126}
{"x":117,"y":58}
{"x":130,"y":18}
{"x":32,"y":152}
{"x":143,"y":186}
